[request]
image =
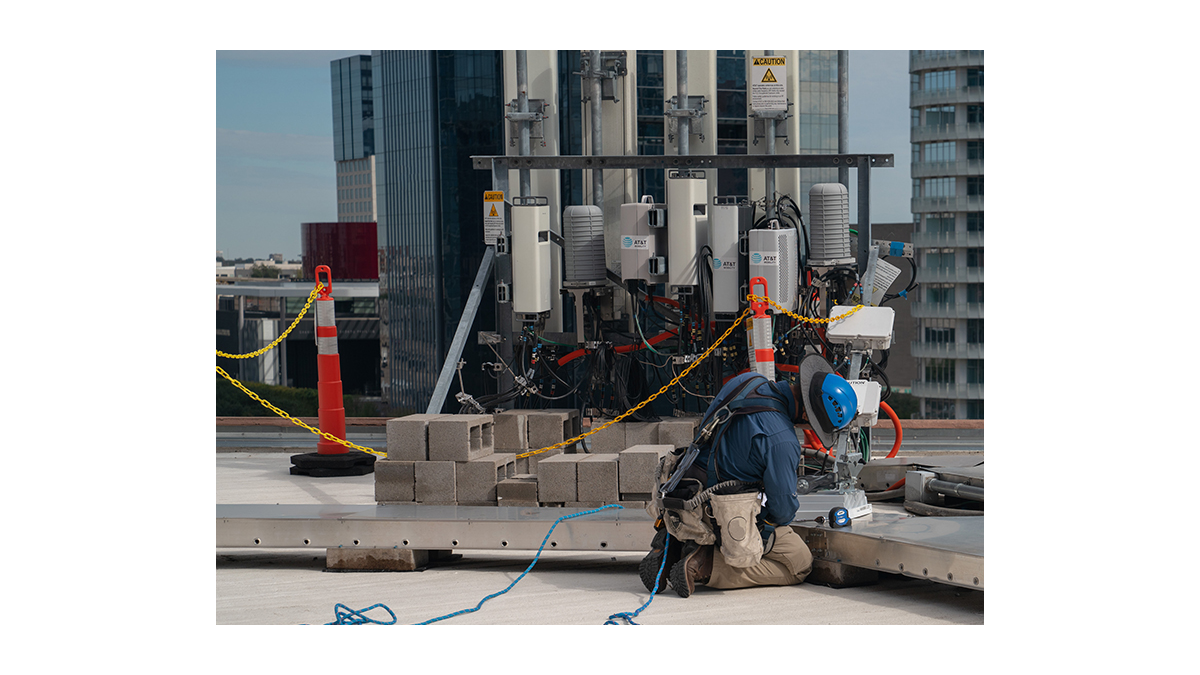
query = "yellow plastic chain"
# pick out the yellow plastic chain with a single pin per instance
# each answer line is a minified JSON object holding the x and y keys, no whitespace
{"x":637,"y":407}
{"x":300,"y":423}
{"x":565,"y":443}
{"x":271,"y":346}
{"x":759,"y":298}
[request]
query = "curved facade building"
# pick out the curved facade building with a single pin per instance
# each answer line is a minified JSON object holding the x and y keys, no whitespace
{"x":946,"y":102}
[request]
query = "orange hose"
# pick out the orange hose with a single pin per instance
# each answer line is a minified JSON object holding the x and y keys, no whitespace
{"x":899,"y":431}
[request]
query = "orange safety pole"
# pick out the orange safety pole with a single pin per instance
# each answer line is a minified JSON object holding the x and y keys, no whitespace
{"x":331,"y":411}
{"x":760,"y":334}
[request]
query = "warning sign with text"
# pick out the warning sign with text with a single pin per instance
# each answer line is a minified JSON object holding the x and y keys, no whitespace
{"x":768,"y":83}
{"x":493,"y":217}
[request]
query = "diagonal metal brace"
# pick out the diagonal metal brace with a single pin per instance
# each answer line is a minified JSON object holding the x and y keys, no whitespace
{"x":450,"y":365}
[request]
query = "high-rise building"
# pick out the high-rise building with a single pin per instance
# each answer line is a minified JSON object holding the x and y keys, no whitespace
{"x":354,"y":137}
{"x":433,"y":111}
{"x":946,"y":102}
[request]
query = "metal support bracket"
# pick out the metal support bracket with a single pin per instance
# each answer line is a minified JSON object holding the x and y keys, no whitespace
{"x":449,"y":366}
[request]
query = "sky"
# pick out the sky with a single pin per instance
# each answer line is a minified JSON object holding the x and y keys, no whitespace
{"x":274,"y":143}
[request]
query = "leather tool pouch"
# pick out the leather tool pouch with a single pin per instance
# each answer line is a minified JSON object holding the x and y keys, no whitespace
{"x":734,"y":516}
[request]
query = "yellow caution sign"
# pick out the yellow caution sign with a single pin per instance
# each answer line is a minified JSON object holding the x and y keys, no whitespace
{"x":768,"y":83}
{"x":493,"y":218}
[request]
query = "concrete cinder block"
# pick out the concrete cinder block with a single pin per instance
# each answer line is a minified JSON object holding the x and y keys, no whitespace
{"x":511,"y":430}
{"x":550,"y":427}
{"x":435,"y":482}
{"x":475,"y":481}
{"x":677,"y":432}
{"x":521,"y":465}
{"x":637,"y":466}
{"x":517,"y":490}
{"x":408,"y":437}
{"x":584,"y":505}
{"x":557,"y":478}
{"x":596,"y":479}
{"x":394,"y":481}
{"x":640,"y":433}
{"x":531,"y":461}
{"x":610,"y":439}
{"x":460,"y":438}
{"x":375,"y":559}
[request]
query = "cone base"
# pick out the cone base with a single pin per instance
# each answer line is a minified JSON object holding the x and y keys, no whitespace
{"x":352,"y":463}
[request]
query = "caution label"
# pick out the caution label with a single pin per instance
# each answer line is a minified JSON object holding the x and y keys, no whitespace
{"x":768,"y":83}
{"x":493,"y":217}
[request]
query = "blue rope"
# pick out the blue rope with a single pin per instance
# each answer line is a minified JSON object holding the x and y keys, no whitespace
{"x":357,"y":617}
{"x":628,"y":616}
{"x":535,"y":559}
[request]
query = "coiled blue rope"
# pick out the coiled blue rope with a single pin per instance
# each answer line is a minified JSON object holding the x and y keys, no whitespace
{"x":344,"y":616}
{"x":628,"y":616}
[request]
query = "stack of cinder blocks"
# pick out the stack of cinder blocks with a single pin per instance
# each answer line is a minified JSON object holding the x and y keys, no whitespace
{"x":471,"y":460}
{"x":441,"y":459}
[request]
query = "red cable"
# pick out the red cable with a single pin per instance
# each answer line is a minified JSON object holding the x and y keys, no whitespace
{"x":624,"y":349}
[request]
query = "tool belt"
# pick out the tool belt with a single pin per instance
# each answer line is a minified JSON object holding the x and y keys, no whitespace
{"x":724,"y":515}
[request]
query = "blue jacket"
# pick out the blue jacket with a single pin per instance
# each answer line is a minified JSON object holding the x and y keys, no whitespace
{"x":760,"y":446}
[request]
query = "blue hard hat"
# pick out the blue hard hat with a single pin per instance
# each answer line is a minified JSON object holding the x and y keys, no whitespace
{"x":833,"y":400}
{"x":829,"y":401}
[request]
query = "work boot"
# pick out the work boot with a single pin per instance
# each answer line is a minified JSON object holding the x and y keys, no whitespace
{"x":694,"y":567}
{"x":653,"y":562}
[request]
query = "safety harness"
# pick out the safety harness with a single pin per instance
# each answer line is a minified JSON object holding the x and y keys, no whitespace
{"x":743,"y":400}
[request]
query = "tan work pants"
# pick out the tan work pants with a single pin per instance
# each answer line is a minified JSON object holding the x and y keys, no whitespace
{"x":788,"y":563}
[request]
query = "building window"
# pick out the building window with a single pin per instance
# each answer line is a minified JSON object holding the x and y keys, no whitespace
{"x":939,"y":223}
{"x":975,"y":221}
{"x":974,"y":293}
{"x":975,"y":186}
{"x":731,"y":119}
{"x":939,"y":80}
{"x":939,"y":409}
{"x":974,"y":77}
{"x":939,"y":152}
{"x":975,"y":114}
{"x":974,"y":149}
{"x":940,"y":115}
{"x":975,"y":257}
{"x":939,"y":187}
{"x":975,"y":409}
{"x":916,"y":182}
{"x":916,"y":152}
{"x":942,"y":295}
{"x":914,"y":82}
{"x":942,"y":259}
{"x":915,"y":117}
{"x":974,"y":371}
{"x":975,"y":331}
{"x":651,"y":126}
{"x":939,"y":371}
{"x":939,"y":331}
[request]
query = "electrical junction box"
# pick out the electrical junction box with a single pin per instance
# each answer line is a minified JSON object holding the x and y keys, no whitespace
{"x":868,"y":394}
{"x":641,"y":240}
{"x":868,"y":328}
{"x":724,"y":220}
{"x":531,"y":257}
{"x":687,"y":224}
{"x":773,"y":256}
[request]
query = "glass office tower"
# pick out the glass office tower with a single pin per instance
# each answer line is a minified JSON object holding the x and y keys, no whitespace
{"x":354,"y":137}
{"x":433,"y":111}
{"x":946,"y":102}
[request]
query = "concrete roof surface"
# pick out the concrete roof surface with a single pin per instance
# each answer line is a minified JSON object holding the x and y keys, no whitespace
{"x":291,"y":586}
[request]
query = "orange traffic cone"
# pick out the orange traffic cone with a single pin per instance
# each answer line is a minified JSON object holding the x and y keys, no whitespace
{"x":331,"y":458}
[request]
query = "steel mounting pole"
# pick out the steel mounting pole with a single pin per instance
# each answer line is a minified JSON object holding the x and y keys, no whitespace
{"x":523,"y":107}
{"x":684,"y":126}
{"x":844,"y":114}
{"x":450,"y":365}
{"x":770,"y":177}
{"x":597,"y":128}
